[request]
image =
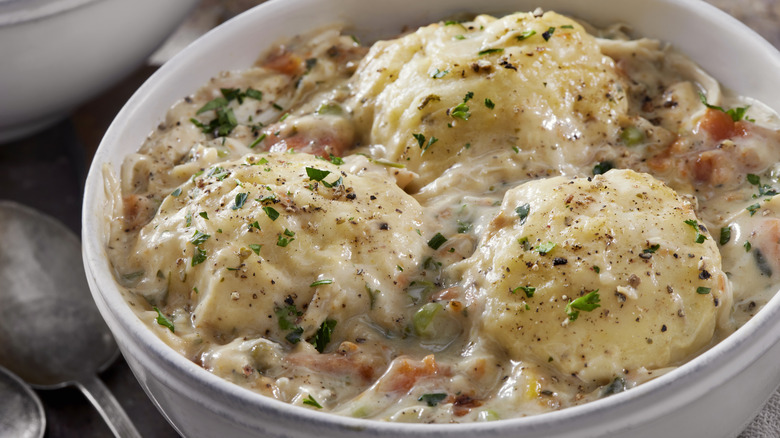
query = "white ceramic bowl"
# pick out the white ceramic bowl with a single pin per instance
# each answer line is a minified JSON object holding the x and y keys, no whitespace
{"x":57,"y":54}
{"x":714,"y":395}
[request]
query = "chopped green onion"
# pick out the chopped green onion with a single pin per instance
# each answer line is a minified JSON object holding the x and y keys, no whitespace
{"x":545,"y":248}
{"x":321,"y":282}
{"x":489,"y":51}
{"x":422,"y":319}
{"x":632,"y":136}
{"x":529,"y":290}
{"x":311,"y":402}
{"x":526,"y":34}
{"x":437,"y":241}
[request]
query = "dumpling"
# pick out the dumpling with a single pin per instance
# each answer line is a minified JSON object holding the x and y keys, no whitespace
{"x":276,"y":244}
{"x":598,"y":276}
{"x":527,"y":95}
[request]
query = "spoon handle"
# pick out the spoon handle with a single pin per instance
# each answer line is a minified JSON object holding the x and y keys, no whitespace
{"x":108,"y":407}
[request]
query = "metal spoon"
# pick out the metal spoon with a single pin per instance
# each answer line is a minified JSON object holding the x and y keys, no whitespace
{"x":21,"y":409}
{"x":51,"y":333}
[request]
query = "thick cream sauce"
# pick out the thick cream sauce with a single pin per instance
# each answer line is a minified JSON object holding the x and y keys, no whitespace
{"x":423,"y":230}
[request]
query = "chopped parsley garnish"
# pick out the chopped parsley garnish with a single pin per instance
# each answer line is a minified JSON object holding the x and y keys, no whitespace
{"x":255,"y":248}
{"x":523,"y":212}
{"x":461,"y":111}
{"x":753,"y":208}
{"x":254,"y":224}
{"x":271,"y":212}
{"x":319,"y":176}
{"x":240,"y":200}
{"x":321,"y":282}
{"x":602,"y":167}
{"x":287,"y":317}
{"x":586,"y":303}
{"x":285,"y":238}
{"x":529,"y":290}
{"x":338,"y":161}
{"x":567,"y":26}
{"x":204,"y":215}
{"x":421,"y":142}
{"x":311,"y":402}
{"x":225,"y":119}
{"x":700,"y":238}
{"x":763,"y":189}
{"x":294,"y":336}
{"x":438,"y":74}
{"x":747,"y":245}
{"x":199,"y":256}
{"x":736,"y":114}
{"x":437,"y":241}
{"x":526,"y":34}
{"x":489,"y":51}
{"x":652,"y":249}
{"x":702,"y":290}
{"x":420,"y":139}
{"x":432,"y":399}
{"x":198,"y":238}
{"x":725,"y":235}
{"x":219,"y":173}
{"x":163,"y":321}
{"x":322,"y":337}
{"x":489,"y":103}
{"x":545,"y":248}
{"x":548,"y":33}
{"x":188,"y":219}
{"x":176,"y":192}
{"x":596,"y":269}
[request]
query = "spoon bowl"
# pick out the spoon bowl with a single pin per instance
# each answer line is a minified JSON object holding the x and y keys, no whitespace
{"x":51,"y":333}
{"x":22,"y":411}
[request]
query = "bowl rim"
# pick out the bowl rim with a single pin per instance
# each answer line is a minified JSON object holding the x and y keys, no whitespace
{"x":696,"y":376}
{"x":12,"y":14}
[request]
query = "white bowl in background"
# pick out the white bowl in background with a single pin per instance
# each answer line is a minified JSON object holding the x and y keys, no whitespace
{"x":714,"y":395}
{"x":56,"y":54}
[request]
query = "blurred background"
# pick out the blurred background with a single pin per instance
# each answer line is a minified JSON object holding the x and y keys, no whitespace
{"x":45,"y":168}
